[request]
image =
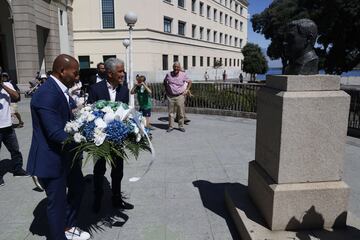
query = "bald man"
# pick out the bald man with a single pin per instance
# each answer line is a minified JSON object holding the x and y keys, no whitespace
{"x":48,"y":159}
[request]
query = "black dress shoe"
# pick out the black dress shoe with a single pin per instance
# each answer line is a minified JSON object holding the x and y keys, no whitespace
{"x":20,"y":173}
{"x":119,"y":203}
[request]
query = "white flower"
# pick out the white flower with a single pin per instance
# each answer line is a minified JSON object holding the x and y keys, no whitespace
{"x":121,"y":113}
{"x":109,"y":117}
{"x":90,"y":117}
{"x":72,"y":127}
{"x":99,"y":137}
{"x":78,"y":138}
{"x":136,"y":129}
{"x":99,"y":123}
{"x":138,"y":137}
{"x":107,"y":109}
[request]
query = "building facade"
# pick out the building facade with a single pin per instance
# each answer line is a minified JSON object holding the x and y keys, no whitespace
{"x":197,"y":33}
{"x":32,"y":34}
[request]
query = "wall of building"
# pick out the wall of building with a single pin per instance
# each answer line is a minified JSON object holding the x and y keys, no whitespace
{"x":37,"y":37}
{"x":150,"y":40}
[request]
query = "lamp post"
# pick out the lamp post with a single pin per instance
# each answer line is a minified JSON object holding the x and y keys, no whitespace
{"x":130,"y":19}
{"x":126,"y":43}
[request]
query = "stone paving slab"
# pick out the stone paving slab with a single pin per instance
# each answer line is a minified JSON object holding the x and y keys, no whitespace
{"x":180,"y":198}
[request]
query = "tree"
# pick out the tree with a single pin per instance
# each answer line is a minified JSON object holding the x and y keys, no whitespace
{"x":338,"y":24}
{"x":254,"y":60}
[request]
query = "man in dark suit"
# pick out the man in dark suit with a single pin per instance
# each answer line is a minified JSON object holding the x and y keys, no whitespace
{"x":113,"y":89}
{"x":48,"y":159}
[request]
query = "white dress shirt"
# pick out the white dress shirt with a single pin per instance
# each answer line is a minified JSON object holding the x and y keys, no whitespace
{"x":5,"y":111}
{"x":112,"y":92}
{"x":63,"y":88}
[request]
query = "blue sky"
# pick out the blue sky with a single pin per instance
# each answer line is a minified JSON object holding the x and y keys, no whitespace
{"x":257,"y":6}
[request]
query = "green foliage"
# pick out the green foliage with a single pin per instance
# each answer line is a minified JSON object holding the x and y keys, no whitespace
{"x":338,"y":23}
{"x":217,"y":64}
{"x":254,"y":60}
{"x":234,"y":97}
{"x":109,"y":150}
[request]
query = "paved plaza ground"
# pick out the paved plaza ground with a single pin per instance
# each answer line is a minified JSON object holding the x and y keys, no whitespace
{"x":180,"y":198}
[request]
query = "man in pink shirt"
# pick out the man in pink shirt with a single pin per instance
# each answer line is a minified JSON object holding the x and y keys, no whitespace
{"x":177,"y":85}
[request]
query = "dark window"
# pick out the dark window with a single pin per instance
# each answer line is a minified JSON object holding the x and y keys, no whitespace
{"x":193,"y":31}
{"x":201,"y":33}
{"x":229,"y":62}
{"x":208,"y":11}
{"x":181,"y":3}
{"x":185,"y":62}
{"x":241,"y":10}
{"x":193,"y":5}
{"x":84,"y":62}
{"x":165,"y":62}
{"x":238,"y":62}
{"x":61,"y":18}
{"x":208,"y":35}
{"x":108,"y":14}
{"x":214,"y":16}
{"x":214,"y":60}
{"x":201,"y":5}
{"x":181,"y":28}
{"x":208,"y":61}
{"x":241,"y":26}
{"x":176,"y":58}
{"x":225,"y":62}
{"x":194,"y":61}
{"x":234,"y":63}
{"x":106,"y":57}
{"x":167,"y":24}
{"x":201,"y":61}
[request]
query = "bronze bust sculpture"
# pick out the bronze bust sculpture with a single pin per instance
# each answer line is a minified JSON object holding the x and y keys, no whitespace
{"x":299,"y":48}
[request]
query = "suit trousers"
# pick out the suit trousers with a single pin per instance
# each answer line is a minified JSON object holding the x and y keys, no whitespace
{"x":62,"y":208}
{"x":176,"y":106}
{"x":117,"y":173}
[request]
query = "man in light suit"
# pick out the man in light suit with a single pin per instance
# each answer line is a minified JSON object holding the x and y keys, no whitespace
{"x":49,"y":159}
{"x":113,"y":89}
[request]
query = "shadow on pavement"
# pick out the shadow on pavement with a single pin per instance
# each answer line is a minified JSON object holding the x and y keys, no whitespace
{"x":213,"y":198}
{"x":160,"y":125}
{"x":93,"y":223}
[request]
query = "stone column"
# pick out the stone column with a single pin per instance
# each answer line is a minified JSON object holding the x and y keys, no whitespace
{"x":296,"y":178}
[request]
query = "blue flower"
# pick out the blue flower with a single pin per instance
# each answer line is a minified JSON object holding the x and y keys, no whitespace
{"x":116,"y":132}
{"x":88,"y":130}
{"x":98,"y":114}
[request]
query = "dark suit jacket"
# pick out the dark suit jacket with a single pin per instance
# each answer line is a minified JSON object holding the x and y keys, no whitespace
{"x":100,"y":91}
{"x":49,"y":111}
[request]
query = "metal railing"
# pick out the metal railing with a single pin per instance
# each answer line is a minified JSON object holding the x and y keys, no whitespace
{"x":354,"y":113}
{"x":221,"y":96}
{"x":240,"y":97}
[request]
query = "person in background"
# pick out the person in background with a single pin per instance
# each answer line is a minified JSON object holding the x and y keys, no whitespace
{"x":13,"y":105}
{"x":100,"y":75}
{"x":75,"y":92}
{"x":143,"y":94}
{"x":241,"y":78}
{"x":224,"y":76}
{"x":7,"y":132}
{"x":206,"y":76}
{"x":177,"y":86}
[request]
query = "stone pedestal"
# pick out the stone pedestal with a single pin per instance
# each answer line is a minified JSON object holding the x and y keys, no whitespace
{"x":295,"y":180}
